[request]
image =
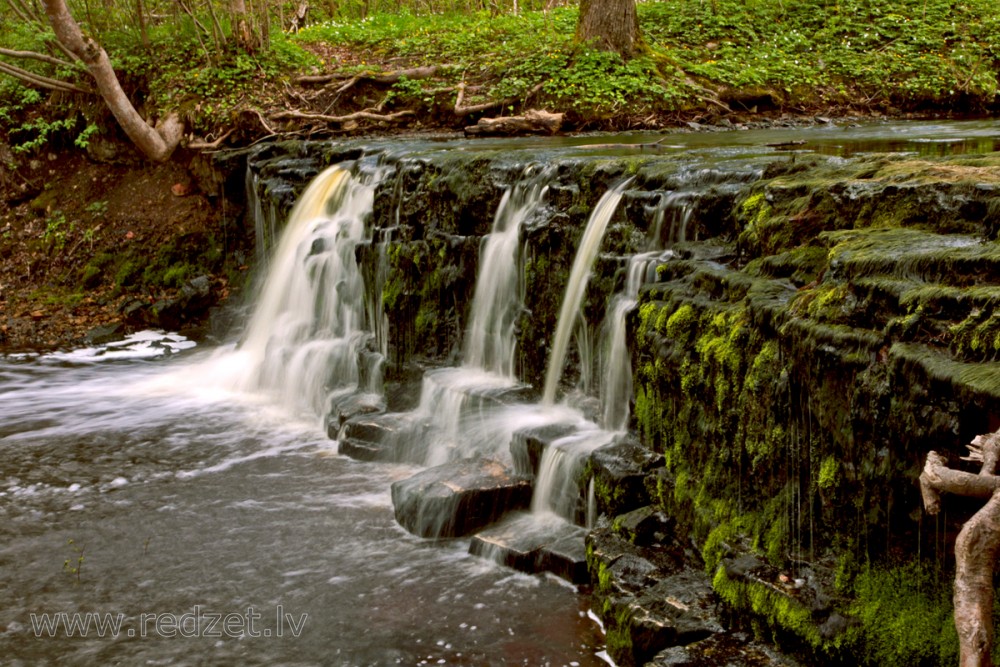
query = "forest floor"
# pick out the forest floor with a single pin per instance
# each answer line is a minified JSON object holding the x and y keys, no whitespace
{"x":57,"y":282}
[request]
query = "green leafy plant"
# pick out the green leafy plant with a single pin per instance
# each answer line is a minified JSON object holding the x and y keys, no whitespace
{"x":74,"y":565}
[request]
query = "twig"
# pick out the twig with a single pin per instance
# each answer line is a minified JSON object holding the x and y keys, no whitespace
{"x":209,"y":145}
{"x":461,"y":111}
{"x":357,"y":115}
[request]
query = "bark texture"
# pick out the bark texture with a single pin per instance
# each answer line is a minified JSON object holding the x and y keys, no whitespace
{"x":157,"y":144}
{"x":612,"y":25}
{"x":976,"y":547}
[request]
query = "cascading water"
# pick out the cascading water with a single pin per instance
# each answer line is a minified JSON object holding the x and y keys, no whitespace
{"x":490,"y":340}
{"x":579,"y":276}
{"x":305,"y":336}
{"x":616,"y":379}
{"x":457,"y":416}
{"x":560,"y":470}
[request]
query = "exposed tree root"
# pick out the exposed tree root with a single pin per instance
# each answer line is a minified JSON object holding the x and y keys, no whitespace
{"x":976,"y":547}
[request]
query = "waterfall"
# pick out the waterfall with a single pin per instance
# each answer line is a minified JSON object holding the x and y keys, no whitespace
{"x":308,"y":331}
{"x":490,"y":340}
{"x":576,"y":286}
{"x":616,"y":378}
{"x":459,"y":411}
{"x":560,"y":471}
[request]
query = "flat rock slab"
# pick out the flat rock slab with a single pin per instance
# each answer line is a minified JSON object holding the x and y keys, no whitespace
{"x":378,"y":437}
{"x":458,"y":498}
{"x":536,"y":543}
{"x":728,"y":649}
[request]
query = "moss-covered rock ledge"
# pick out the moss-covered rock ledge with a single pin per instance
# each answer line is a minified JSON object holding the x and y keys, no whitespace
{"x":795,"y":370}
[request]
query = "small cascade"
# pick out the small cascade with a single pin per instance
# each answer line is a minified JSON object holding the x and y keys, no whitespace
{"x":457,"y":414}
{"x":307,"y":333}
{"x":579,"y":276}
{"x":490,"y":339}
{"x":616,"y":379}
{"x":560,"y":473}
{"x":264,"y":217}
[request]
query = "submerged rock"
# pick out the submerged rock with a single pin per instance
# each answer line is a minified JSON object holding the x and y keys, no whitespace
{"x":458,"y":498}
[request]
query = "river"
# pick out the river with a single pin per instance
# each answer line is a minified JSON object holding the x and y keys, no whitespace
{"x":173,"y":520}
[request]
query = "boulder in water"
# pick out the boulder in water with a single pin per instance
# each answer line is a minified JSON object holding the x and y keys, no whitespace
{"x":458,"y":498}
{"x":535,"y":543}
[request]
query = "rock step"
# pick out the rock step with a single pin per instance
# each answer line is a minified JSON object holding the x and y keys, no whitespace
{"x":528,"y":444}
{"x":458,"y":498}
{"x":379,"y":437}
{"x":536,"y":543}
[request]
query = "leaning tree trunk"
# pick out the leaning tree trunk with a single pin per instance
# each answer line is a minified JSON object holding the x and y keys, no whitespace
{"x":976,"y":547}
{"x":612,"y":25}
{"x":157,"y":144}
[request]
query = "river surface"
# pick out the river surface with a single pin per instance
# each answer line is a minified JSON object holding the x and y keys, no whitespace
{"x":189,"y":501}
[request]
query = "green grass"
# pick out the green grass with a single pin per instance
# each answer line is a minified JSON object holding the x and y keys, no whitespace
{"x":803,"y":56}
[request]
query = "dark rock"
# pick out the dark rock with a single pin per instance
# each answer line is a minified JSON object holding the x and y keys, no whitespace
{"x":606,"y":548}
{"x":745,"y":565}
{"x":527,"y":445}
{"x":352,"y":405}
{"x":619,"y":471}
{"x":644,"y":526}
{"x":375,"y":437}
{"x":536,"y":543}
{"x":723,"y":649}
{"x":458,"y":498}
{"x":105,"y":333}
{"x":675,"y":611}
{"x":135,"y":313}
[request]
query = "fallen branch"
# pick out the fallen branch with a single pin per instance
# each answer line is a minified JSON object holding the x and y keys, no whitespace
{"x":532,"y":122}
{"x":357,"y":115}
{"x":462,"y":111}
{"x":209,"y":145}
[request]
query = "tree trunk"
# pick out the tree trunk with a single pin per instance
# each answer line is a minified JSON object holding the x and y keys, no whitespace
{"x":157,"y":144}
{"x":241,"y":23}
{"x":975,"y":558}
{"x":612,"y":25}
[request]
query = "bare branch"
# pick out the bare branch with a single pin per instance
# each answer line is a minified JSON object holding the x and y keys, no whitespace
{"x":938,"y":478}
{"x":41,"y":81}
{"x":209,"y":145}
{"x":357,"y":115}
{"x":461,"y":111}
{"x":31,"y":55}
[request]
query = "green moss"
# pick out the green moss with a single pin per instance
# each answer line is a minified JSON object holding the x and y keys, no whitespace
{"x":829,"y":472}
{"x":904,"y":617}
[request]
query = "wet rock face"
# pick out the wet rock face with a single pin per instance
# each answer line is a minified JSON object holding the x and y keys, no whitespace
{"x":649,"y":597}
{"x":619,"y":471}
{"x":458,"y":498}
